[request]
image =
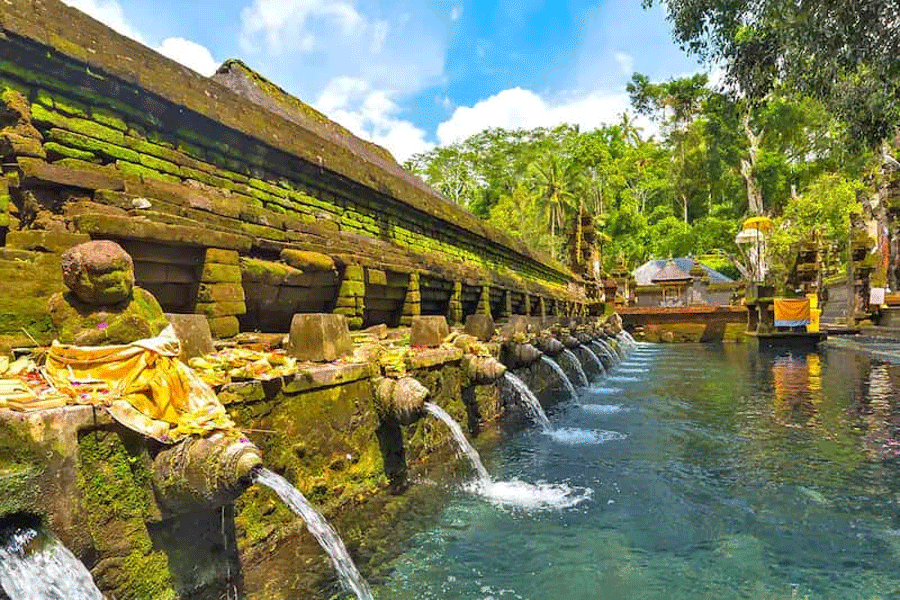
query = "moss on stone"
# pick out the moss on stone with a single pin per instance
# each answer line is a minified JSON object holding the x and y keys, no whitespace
{"x":115,"y":485}
{"x":141,"y":171}
{"x":265,"y":271}
{"x":217,"y":273}
{"x":76,"y":322}
{"x":55,"y":150}
{"x":91,"y":145}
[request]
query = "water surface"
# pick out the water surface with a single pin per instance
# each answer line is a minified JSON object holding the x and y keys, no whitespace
{"x":721,"y":473}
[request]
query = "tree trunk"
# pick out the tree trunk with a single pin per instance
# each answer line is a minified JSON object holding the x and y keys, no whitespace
{"x":748,"y":168}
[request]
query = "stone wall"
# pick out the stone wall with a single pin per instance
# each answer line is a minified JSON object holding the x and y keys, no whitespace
{"x":89,"y":479}
{"x":103,"y":138}
{"x":686,"y":323}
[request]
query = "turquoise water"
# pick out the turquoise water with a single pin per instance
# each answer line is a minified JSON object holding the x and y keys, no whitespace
{"x":732,"y":474}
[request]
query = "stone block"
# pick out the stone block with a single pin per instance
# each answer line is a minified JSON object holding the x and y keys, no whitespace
{"x":44,"y":241}
{"x":480,"y":327}
{"x":224,"y":327}
{"x":194,"y":334}
{"x":216,"y":273}
{"x":222,"y":257}
{"x":220,"y":309}
{"x":307,"y":261}
{"x":354,"y":272}
{"x":428,"y":331}
{"x":376,"y":277}
{"x":220,"y":292}
{"x":319,"y":337}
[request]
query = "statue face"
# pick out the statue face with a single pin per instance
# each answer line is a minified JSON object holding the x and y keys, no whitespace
{"x":109,"y":287}
{"x":98,"y":272}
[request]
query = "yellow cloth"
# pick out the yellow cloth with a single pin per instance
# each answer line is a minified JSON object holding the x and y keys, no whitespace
{"x":142,"y":384}
{"x":791,"y":309}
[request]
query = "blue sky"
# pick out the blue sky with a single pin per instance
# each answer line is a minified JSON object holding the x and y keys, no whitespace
{"x":412,"y":74}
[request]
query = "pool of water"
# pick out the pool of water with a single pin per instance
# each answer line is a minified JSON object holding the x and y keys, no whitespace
{"x":731,"y":474}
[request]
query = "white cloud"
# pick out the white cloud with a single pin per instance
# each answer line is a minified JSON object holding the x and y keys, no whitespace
{"x":518,"y":108}
{"x":276,"y":24}
{"x":190,"y":54}
{"x":625,"y":62}
{"x":455,"y":13}
{"x":110,"y":12}
{"x":305,"y":44}
{"x":373,"y":115}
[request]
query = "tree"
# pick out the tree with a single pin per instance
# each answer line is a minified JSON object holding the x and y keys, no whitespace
{"x":842,"y":53}
{"x":676,"y":104}
{"x":558,"y":183}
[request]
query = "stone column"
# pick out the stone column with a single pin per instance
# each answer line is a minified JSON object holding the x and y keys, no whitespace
{"x":351,"y":296}
{"x":484,"y":303}
{"x":507,"y":304}
{"x":527,"y":304}
{"x":412,"y":305}
{"x":543,"y":305}
{"x":455,"y":309}
{"x":220,"y":296}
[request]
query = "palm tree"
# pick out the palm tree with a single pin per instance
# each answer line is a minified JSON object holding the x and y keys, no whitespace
{"x":558,"y":183}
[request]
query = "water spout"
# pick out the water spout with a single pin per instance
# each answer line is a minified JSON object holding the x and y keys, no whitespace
{"x":34,"y":565}
{"x":578,"y":368}
{"x":204,"y":472}
{"x":596,"y":359}
{"x":562,"y":374}
{"x":529,"y":400}
{"x":324,"y":533}
{"x":461,"y":440}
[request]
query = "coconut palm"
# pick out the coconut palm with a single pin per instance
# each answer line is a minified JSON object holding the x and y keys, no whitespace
{"x":558,"y":184}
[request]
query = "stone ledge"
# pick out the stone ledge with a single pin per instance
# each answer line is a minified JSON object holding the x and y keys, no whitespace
{"x":308,"y":378}
{"x":139,"y":229}
{"x":433,"y":357}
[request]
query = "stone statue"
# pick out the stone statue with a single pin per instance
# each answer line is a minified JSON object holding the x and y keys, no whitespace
{"x":102,"y":306}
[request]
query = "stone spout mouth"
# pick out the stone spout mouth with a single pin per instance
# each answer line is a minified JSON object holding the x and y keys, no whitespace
{"x":248,"y":464}
{"x":549,"y":345}
{"x":204,"y":472}
{"x":570,"y":342}
{"x":483,"y":370}
{"x":402,"y":399}
{"x":516,"y":356}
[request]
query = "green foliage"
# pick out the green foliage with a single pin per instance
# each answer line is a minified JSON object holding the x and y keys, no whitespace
{"x":682,"y":191}
{"x":841,"y":53}
{"x":820,"y":216}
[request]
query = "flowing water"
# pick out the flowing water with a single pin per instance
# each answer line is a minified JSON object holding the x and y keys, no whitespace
{"x":604,"y":348}
{"x":464,"y":446}
{"x":763,"y":476}
{"x":595,"y":358}
{"x":512,"y":493}
{"x":530,"y":400}
{"x":561,"y":374}
{"x":34,"y":565}
{"x":327,"y":537}
{"x":578,"y":368}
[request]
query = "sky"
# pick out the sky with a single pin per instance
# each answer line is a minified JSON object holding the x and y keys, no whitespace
{"x":413,"y":74}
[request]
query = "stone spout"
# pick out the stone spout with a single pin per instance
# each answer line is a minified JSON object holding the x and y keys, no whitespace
{"x":402,"y":399}
{"x":584,"y":337}
{"x":483,"y":370}
{"x":204,"y":472}
{"x":549,"y":345}
{"x":569,"y":342}
{"x":516,"y":355}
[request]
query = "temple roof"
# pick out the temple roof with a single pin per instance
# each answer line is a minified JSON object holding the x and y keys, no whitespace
{"x":647,"y":273}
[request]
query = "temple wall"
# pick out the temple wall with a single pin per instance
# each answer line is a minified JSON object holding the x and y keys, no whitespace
{"x":103,"y":138}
